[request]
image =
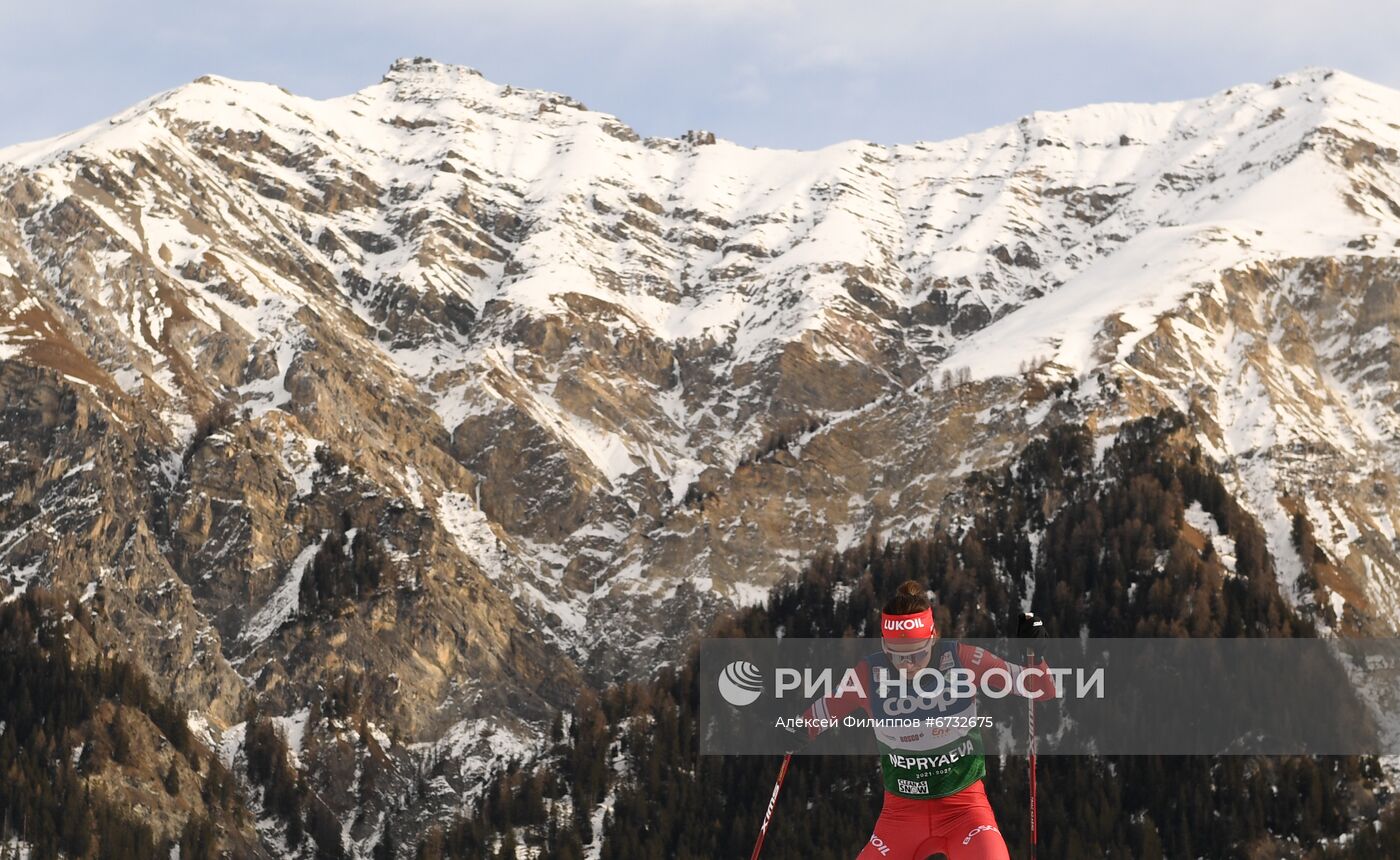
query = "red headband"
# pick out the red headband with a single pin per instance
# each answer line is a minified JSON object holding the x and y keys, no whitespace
{"x":918,"y":625}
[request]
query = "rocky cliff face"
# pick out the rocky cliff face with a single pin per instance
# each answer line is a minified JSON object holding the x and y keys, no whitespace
{"x":462,"y":396}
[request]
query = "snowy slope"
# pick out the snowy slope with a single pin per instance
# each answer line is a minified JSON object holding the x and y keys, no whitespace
{"x":583,"y":381}
{"x":580,"y":390}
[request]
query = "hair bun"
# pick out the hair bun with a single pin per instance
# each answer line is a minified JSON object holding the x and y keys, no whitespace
{"x":911,"y":596}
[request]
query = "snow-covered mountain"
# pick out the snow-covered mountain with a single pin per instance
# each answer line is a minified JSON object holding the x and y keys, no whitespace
{"x":561,"y":392}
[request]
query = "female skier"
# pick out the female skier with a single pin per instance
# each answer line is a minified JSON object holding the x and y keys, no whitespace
{"x":934,"y":798}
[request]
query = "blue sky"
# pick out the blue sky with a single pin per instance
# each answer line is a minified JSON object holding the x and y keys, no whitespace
{"x":763,"y":72}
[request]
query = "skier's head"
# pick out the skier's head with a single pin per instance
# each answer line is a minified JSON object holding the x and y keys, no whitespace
{"x":906,"y":627}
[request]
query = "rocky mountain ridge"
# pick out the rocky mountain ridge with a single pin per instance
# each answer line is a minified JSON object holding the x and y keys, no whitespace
{"x":464,"y":397}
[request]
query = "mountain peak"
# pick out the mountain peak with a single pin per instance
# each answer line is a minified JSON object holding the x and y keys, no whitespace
{"x":410,"y":68}
{"x":1312,"y":76}
{"x":425,"y":80}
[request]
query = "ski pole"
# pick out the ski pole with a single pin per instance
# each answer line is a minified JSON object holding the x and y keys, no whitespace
{"x":1030,"y":704}
{"x":772,"y":802}
{"x":1030,"y":627}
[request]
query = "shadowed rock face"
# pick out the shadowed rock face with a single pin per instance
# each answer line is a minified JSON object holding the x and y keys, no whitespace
{"x":571,"y":392}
